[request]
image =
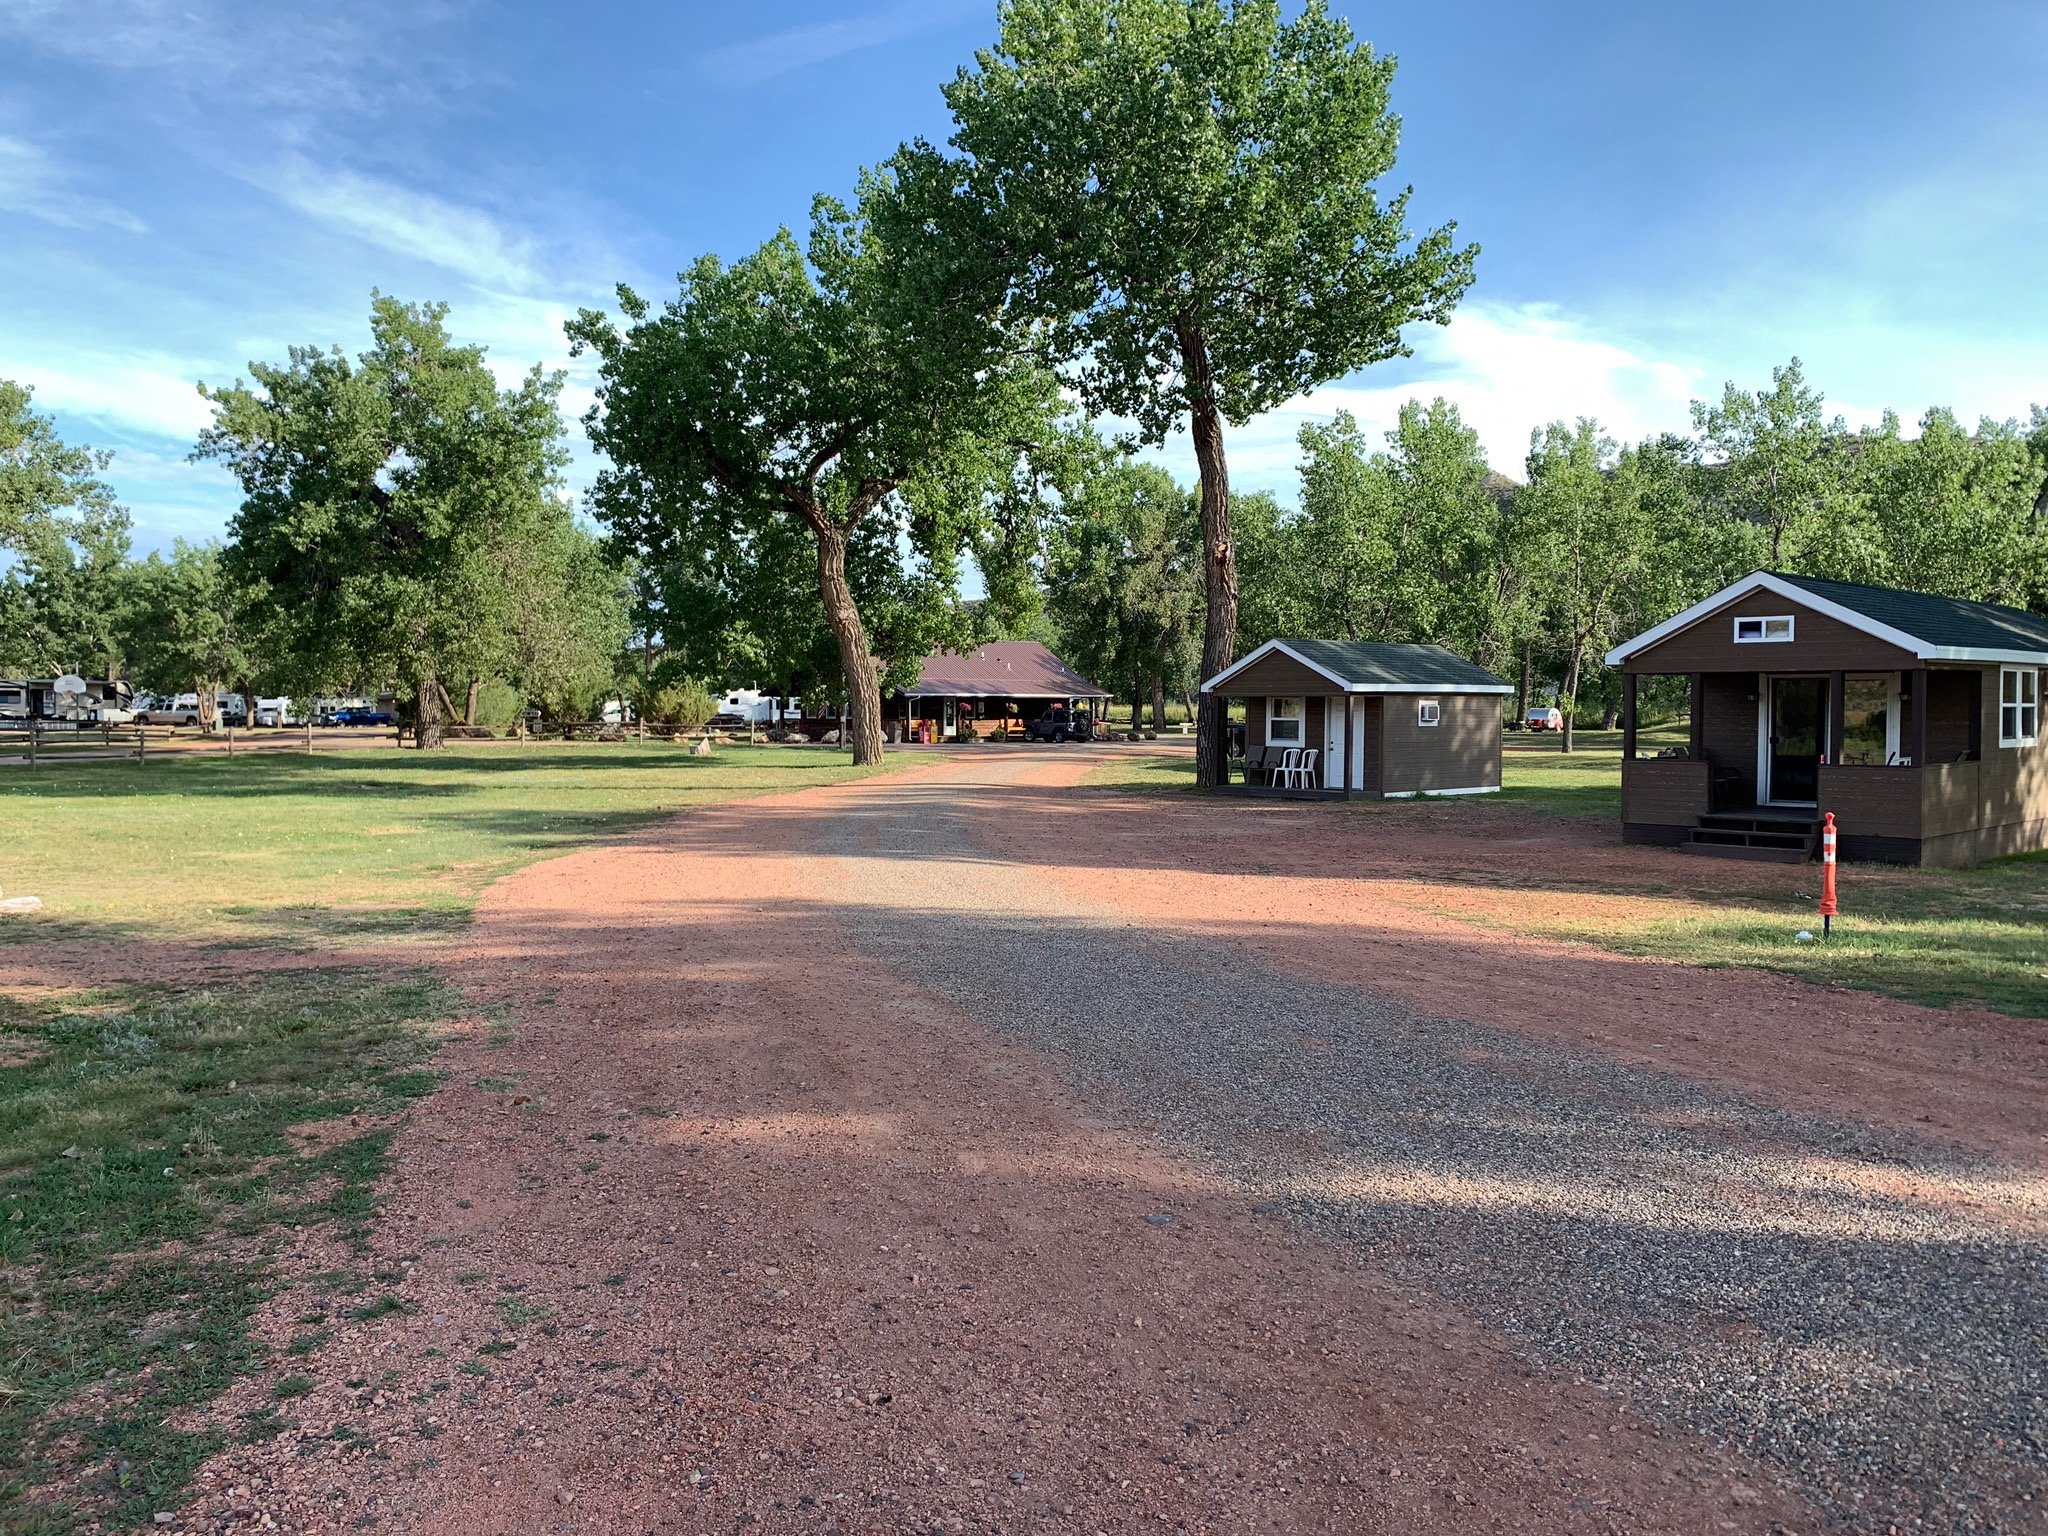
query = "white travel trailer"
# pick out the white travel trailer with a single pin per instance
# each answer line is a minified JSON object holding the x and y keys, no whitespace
{"x":757,"y":708}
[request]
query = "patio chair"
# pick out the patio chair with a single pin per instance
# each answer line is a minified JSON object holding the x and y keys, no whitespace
{"x":1301,"y":773}
{"x":1255,"y":766}
{"x":1282,"y":772}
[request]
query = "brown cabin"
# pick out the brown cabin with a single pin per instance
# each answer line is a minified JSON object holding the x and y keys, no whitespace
{"x":1341,"y":719}
{"x":1915,"y":719}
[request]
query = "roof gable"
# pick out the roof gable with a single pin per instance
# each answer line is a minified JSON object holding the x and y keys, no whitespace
{"x":1373,"y":666}
{"x":1929,"y":627}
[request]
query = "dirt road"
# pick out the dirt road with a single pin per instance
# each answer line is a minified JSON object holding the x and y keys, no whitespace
{"x":958,"y":1152}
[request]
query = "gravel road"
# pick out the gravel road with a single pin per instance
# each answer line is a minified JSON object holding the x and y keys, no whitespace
{"x":1866,"y":1312}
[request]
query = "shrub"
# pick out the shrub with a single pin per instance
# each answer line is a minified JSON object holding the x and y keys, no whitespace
{"x":687,"y":705}
{"x":498,"y":704}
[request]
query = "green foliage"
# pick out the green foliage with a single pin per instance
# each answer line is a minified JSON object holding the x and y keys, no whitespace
{"x":63,"y":546}
{"x":401,"y":516}
{"x":1151,"y":175}
{"x":1407,"y":543}
{"x":188,"y":623}
{"x":826,"y":394}
{"x":1612,"y":541}
{"x":687,"y":705}
{"x":1124,"y":578}
{"x":1777,"y":465}
{"x":498,"y":704}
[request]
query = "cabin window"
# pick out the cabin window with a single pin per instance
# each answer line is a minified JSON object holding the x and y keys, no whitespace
{"x":1870,"y":722}
{"x":1429,"y":712}
{"x":1283,"y":720}
{"x":1775,"y":630}
{"x":2019,"y":707}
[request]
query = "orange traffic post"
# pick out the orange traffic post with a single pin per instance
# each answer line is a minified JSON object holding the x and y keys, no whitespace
{"x":1827,"y":874}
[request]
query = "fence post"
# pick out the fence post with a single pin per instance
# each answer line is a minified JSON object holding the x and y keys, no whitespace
{"x":142,"y":744}
{"x":33,"y":732}
{"x":231,"y":741}
{"x":309,"y":736}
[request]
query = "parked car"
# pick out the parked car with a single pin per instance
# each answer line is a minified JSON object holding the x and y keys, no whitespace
{"x":1545,"y":719}
{"x":358,"y":714}
{"x":174,"y":709}
{"x":1061,"y":724}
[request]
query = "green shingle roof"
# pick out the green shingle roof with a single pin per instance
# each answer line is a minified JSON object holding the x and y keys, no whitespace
{"x":1370,"y":663}
{"x":1949,"y":622}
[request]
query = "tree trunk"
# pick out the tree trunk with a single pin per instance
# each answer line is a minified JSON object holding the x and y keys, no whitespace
{"x":476,"y":685}
{"x":1138,"y":704}
{"x":1158,"y":703}
{"x":208,"y":705}
{"x":1219,"y":557}
{"x":856,"y":661}
{"x":1570,"y":702}
{"x":427,"y":719}
{"x":1528,"y":681}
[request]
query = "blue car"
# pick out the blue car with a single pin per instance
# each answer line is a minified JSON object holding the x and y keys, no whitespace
{"x":362,"y":717}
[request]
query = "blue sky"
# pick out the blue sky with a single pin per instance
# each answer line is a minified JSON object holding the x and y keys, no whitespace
{"x":1664,"y":202}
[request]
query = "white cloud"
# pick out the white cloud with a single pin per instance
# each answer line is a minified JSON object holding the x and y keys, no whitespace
{"x":273,"y":55}
{"x":779,"y":53}
{"x":1508,"y":369}
{"x":416,"y":224}
{"x":148,"y":393}
{"x":33,"y":183}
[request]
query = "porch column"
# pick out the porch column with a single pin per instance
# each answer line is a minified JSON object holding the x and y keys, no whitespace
{"x":1350,"y":765}
{"x":1629,"y":684}
{"x":1697,"y":747}
{"x":1919,"y":677}
{"x":1838,"y":715}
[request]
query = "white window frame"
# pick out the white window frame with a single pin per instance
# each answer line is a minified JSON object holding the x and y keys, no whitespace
{"x":1297,"y":721}
{"x":1763,"y":635}
{"x":2019,"y":703}
{"x":1429,"y":712}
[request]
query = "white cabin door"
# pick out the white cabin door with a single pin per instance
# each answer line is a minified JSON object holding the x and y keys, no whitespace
{"x":1335,"y":758}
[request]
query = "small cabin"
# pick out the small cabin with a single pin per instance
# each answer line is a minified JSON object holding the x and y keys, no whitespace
{"x":1344,"y":719}
{"x":1914,"y":719}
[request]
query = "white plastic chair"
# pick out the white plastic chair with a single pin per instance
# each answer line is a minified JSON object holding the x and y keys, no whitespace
{"x":1290,"y":759}
{"x":1302,"y":775}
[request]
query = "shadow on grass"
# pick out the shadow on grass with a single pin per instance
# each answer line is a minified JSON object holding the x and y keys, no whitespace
{"x":144,"y":1151}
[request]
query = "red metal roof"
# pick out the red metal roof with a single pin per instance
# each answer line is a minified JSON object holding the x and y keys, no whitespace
{"x":1002,"y":669}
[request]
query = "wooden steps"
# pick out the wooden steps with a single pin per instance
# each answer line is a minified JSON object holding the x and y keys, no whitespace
{"x":1773,"y":836}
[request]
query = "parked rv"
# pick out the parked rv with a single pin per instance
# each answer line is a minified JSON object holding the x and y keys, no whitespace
{"x":278,"y":712}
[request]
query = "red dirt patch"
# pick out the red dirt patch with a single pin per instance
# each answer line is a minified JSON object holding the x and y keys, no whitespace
{"x":781,"y":1245}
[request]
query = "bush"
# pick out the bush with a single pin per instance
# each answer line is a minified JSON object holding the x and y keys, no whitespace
{"x":498,"y":704}
{"x":687,"y":705}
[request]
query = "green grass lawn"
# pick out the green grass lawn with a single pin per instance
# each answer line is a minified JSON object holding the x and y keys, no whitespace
{"x":1976,"y":936}
{"x":1933,"y":936}
{"x":147,"y":1170}
{"x":339,"y":844}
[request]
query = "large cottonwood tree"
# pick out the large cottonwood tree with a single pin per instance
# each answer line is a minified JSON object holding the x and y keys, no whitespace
{"x":393,"y":507}
{"x":1185,"y":193}
{"x":835,"y":385}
